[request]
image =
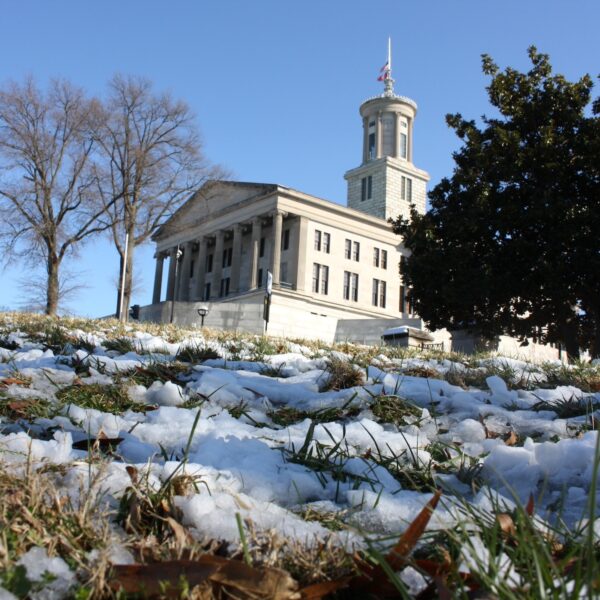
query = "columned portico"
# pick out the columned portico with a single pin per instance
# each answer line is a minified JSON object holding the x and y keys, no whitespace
{"x":200,"y":270}
{"x":172,"y":273}
{"x":236,"y":259}
{"x":276,"y":250}
{"x":158,"y":275}
{"x":255,"y":250}
{"x":217,"y":265}
{"x":184,"y":274}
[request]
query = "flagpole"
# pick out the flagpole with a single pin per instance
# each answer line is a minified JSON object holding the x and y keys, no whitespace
{"x":390,"y":53}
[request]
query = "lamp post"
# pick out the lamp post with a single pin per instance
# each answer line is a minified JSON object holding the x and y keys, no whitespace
{"x":202,"y":312}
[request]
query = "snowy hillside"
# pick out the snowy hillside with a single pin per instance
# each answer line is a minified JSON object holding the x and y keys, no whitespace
{"x":273,"y":450}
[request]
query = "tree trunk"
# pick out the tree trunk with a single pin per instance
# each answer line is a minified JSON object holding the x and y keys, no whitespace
{"x":52,"y":287}
{"x":128,"y":278}
{"x":121,"y":266}
{"x":570,"y":341}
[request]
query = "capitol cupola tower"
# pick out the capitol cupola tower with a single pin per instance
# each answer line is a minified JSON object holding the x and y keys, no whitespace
{"x":387,"y":182}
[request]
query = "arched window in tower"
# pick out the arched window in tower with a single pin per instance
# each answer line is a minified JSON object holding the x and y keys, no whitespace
{"x":388,"y":123}
{"x":403,"y":138}
{"x":372,"y":148}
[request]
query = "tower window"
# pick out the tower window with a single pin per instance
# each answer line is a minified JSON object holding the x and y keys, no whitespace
{"x":406,"y":188}
{"x":372,"y":145}
{"x":366,"y":188}
{"x":403,"y":145}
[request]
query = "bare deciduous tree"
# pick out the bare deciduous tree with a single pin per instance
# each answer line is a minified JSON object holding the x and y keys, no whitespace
{"x":152,"y":161}
{"x":46,"y":186}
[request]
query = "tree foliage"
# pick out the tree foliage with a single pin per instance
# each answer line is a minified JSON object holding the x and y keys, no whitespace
{"x":151,"y":161}
{"x":47,"y":206}
{"x":510,"y":243}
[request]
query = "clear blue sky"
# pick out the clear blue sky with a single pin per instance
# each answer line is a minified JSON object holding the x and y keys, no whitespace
{"x":276,"y":84}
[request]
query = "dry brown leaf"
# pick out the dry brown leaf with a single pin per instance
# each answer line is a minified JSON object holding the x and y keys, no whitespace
{"x":507,"y":525}
{"x":511,"y":439}
{"x":13,"y":381}
{"x":316,"y":591}
{"x":248,"y":582}
{"x":530,"y":505}
{"x":133,"y":474}
{"x":181,"y":533}
{"x":19,"y":407}
{"x":413,"y":533}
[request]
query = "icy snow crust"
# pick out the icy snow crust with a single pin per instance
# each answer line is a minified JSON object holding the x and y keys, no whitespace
{"x":249,"y":465}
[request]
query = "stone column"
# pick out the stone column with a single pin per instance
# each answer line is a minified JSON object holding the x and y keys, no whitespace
{"x":200,"y":269}
{"x":236,"y":259}
{"x":256,"y":235}
{"x":184,"y":273}
{"x":397,"y":137}
{"x":378,"y":136}
{"x":158,"y":274}
{"x":172,"y":270}
{"x":409,"y":141}
{"x":276,"y":250}
{"x":300,"y":258}
{"x":365,"y":139}
{"x":217,"y":265}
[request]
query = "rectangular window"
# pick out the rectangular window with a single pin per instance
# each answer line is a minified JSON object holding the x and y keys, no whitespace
{"x":262,"y":247}
{"x":207,"y":291}
{"x":227,"y":257}
{"x":259,"y":281}
{"x":324,"y":279}
{"x":348,"y":249}
{"x":375,"y":257}
{"x":382,"y":287}
{"x":366,"y":188}
{"x":384,"y":259}
{"x":371,"y":145}
{"x":209,"y":263}
{"x":326,"y":242}
{"x":191,"y":268}
{"x":224,"y":286}
{"x":317,"y":240}
{"x":320,"y":279}
{"x":355,"y":251}
{"x":354,"y":287}
{"x":350,"y":286}
{"x":285,"y":241}
{"x":283,"y":274}
{"x":409,"y":189}
{"x":403,"y":188}
{"x":402,"y":304}
{"x":379,"y":293}
{"x":403,"y":145}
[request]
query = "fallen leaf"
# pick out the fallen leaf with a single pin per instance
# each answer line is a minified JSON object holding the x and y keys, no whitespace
{"x":530,"y":505}
{"x":413,"y":533}
{"x":511,"y":439}
{"x":316,"y":591}
{"x":14,"y":381}
{"x":507,"y":525}
{"x":19,"y":407}
{"x":163,"y":579}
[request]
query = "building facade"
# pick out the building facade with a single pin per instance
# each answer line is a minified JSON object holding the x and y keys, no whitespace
{"x":329,"y":262}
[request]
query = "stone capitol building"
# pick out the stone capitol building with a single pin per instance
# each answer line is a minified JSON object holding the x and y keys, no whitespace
{"x":335,"y":269}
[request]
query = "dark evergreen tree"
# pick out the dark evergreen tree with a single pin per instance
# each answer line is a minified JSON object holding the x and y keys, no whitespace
{"x":511,"y":242}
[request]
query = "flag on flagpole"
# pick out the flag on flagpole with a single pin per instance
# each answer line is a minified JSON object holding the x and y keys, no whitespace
{"x":384,"y":72}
